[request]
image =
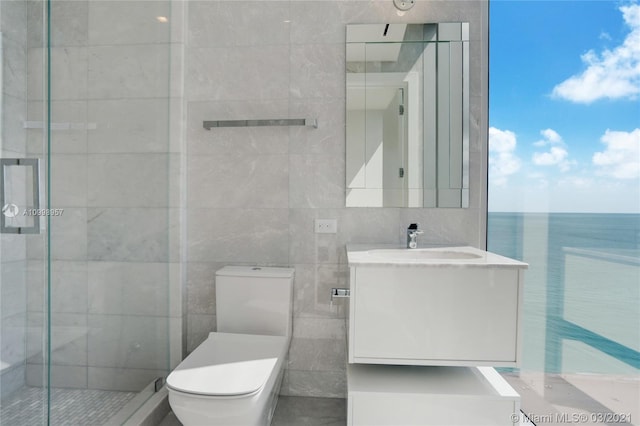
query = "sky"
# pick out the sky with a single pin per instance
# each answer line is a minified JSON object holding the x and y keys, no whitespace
{"x":564,"y":106}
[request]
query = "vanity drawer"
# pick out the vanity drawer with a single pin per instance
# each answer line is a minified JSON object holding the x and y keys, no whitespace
{"x":381,"y":395}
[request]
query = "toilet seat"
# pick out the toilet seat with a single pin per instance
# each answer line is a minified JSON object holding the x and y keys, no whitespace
{"x":228,"y":365}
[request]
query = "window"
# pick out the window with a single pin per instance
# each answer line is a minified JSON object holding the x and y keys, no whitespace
{"x":564,"y":196}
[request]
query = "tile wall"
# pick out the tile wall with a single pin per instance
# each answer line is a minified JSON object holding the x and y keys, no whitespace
{"x":252,"y":194}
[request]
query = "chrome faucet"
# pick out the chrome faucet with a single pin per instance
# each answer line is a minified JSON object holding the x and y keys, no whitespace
{"x":412,"y":235}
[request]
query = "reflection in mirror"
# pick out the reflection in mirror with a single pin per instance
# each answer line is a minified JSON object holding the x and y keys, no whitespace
{"x":407,"y":115}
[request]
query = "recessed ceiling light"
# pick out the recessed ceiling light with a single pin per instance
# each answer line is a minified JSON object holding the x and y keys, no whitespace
{"x":162,"y":19}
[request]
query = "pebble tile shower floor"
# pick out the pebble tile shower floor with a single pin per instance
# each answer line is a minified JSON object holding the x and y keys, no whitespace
{"x":68,"y":406}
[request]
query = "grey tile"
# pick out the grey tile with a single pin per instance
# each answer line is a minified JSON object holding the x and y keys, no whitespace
{"x":135,"y":342}
{"x":12,"y":380}
{"x":14,"y":334}
{"x":69,"y":23}
{"x":13,"y":20}
{"x":201,"y":294}
{"x":68,"y":70}
{"x":128,"y":22}
{"x":238,"y":180}
{"x":316,"y":181}
{"x":128,"y":126}
{"x":317,"y":71}
{"x":65,"y":376}
{"x":319,"y":22}
{"x":170,"y":420}
{"x":254,"y":23}
{"x":14,"y":68}
{"x":69,"y":234}
{"x":198,"y":328}
{"x":318,"y":354}
{"x":128,"y":288}
{"x":122,"y":379}
{"x":13,"y":115}
{"x":128,"y":234}
{"x":237,"y":73}
{"x":128,"y":180}
{"x":128,"y":71}
{"x":319,"y":328}
{"x":68,"y":180}
{"x":13,"y":291}
{"x":68,"y":339}
{"x":299,"y":411}
{"x":238,"y":235}
{"x":68,"y":287}
{"x":327,"y":384}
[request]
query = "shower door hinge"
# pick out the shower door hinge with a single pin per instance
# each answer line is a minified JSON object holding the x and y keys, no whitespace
{"x":157,"y":384}
{"x":401,"y":110}
{"x":401,"y":172}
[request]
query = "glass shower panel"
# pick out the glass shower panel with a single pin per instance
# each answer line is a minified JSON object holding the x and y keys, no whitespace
{"x":23,"y":254}
{"x":109,"y":157}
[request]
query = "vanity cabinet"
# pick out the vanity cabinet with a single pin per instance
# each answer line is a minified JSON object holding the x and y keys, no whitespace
{"x":436,"y":314}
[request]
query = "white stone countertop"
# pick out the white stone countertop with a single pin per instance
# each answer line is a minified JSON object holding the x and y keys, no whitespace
{"x":434,"y":256}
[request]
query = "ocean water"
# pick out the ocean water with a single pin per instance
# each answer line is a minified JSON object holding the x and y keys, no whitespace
{"x":582,"y":289}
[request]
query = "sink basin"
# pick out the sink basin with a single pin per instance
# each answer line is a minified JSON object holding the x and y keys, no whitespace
{"x":422,"y":254}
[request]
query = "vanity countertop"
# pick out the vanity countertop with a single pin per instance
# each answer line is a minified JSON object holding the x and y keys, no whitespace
{"x":393,"y":255}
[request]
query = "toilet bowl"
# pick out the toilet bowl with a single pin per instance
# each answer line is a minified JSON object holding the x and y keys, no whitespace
{"x":234,"y":376}
{"x":230,"y":379}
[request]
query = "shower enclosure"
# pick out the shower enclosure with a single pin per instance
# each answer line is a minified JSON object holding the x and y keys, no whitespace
{"x":88,"y":252}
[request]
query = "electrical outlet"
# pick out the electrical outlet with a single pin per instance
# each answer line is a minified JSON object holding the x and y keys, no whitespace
{"x":326,"y":226}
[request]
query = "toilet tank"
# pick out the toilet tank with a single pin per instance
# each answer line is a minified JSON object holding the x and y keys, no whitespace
{"x":254,"y":300}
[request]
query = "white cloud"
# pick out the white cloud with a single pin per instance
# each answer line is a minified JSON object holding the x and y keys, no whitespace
{"x":621,"y":157}
{"x":613,"y":74}
{"x":557,"y":154}
{"x":550,"y":137}
{"x":502,"y":159}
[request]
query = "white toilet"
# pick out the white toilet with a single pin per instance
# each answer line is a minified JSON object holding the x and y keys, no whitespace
{"x":234,"y":376}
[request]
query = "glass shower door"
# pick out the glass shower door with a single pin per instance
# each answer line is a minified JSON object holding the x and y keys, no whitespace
{"x":23,"y":221}
{"x":87,"y":256}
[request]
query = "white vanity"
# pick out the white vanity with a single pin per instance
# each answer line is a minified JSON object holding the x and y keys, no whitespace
{"x":435,"y":321}
{"x":456,"y":306}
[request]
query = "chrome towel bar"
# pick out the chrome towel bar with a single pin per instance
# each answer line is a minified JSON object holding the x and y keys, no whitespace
{"x":310,"y":122}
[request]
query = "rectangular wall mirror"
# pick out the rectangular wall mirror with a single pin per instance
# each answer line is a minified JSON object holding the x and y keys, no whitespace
{"x":407,"y":117}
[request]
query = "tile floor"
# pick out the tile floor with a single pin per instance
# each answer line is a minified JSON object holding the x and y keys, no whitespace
{"x":299,"y":411}
{"x":68,"y":406}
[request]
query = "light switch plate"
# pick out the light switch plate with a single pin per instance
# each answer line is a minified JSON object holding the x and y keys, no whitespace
{"x":326,"y":226}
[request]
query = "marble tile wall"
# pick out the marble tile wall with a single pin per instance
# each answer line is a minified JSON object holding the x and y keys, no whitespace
{"x":253,"y":193}
{"x":13,"y":256}
{"x":115,"y":291}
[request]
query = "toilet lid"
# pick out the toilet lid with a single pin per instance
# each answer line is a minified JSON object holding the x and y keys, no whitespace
{"x":228,"y":364}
